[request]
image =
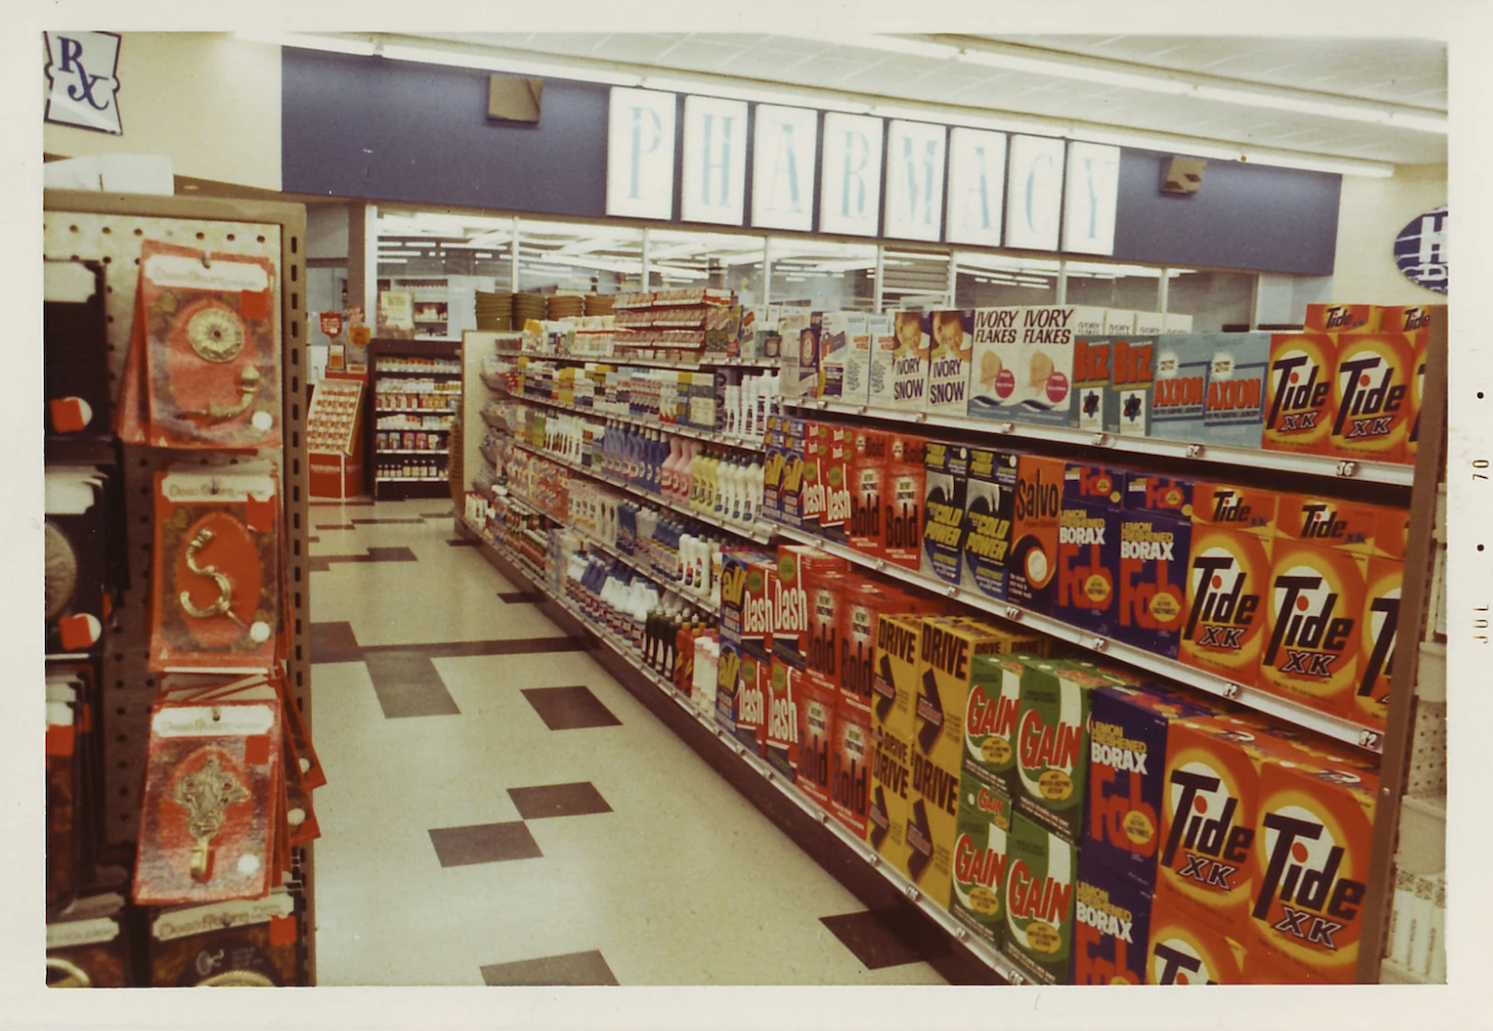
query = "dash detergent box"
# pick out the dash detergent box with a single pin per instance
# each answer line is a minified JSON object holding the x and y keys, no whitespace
{"x":746,"y":601}
{"x":832,"y":476}
{"x":949,"y":362}
{"x":1088,"y":528}
{"x":909,"y":366}
{"x":1227,"y":583}
{"x":1032,"y":574}
{"x":881,"y":338}
{"x":1371,"y":396}
{"x":1052,"y":744}
{"x":903,"y":501}
{"x":812,"y":496}
{"x":1179,"y":392}
{"x":1151,"y":561}
{"x":1041,"y":874}
{"x":980,"y":849}
{"x":1111,"y":925}
{"x":1032,"y":380}
{"x":945,"y":483}
{"x":783,"y":698}
{"x":1299,"y":409}
{"x":989,"y":510}
{"x":752,"y":687}
{"x":788,"y":580}
{"x":867,"y":471}
{"x":1185,"y":949}
{"x":836,"y":337}
{"x":1234,"y":408}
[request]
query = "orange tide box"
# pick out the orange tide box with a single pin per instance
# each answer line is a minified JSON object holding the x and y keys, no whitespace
{"x":1298,"y":392}
{"x":1228,"y":575}
{"x":1406,"y":318}
{"x":1417,"y":395}
{"x":1328,"y":523}
{"x":1185,"y":949}
{"x":1039,"y":502}
{"x":1383,"y":580}
{"x":1250,"y":509}
{"x":1311,"y":865}
{"x":1342,"y":318}
{"x":1313,"y":607}
{"x":1370,"y":395}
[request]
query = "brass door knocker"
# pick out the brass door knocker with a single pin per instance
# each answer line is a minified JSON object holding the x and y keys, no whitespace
{"x":222,"y":605}
{"x":206,"y":796}
{"x":248,"y":386}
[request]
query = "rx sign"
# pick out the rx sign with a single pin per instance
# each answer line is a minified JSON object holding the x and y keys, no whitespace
{"x":83,"y":80}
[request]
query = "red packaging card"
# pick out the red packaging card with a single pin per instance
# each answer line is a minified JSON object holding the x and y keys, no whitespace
{"x":902,"y":498}
{"x":867,"y":463}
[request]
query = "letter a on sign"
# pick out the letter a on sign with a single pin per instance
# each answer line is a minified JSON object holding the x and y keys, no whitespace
{"x":83,"y":80}
{"x":785,"y":143}
{"x":640,"y":154}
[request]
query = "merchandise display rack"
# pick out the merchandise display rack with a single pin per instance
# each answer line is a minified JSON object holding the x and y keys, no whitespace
{"x":383,"y":379}
{"x":673,"y":429}
{"x":707,"y":360}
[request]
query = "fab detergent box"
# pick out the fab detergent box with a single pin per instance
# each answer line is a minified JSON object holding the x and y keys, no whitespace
{"x":990,"y":720}
{"x":1232,"y":507}
{"x":836,"y":345}
{"x":983,"y":826}
{"x":881,"y":338}
{"x":826,"y":588}
{"x":895,"y":686}
{"x":784,"y":698}
{"x":953,"y":334}
{"x":1234,"y":408}
{"x":1179,"y":392}
{"x":1111,"y":925}
{"x":909,"y":365}
{"x":1128,"y":731}
{"x":1088,"y":527}
{"x":1041,"y":873}
{"x":1031,"y":581}
{"x":1184,"y":948}
{"x":1378,"y":625}
{"x":1151,"y":580}
{"x":903,"y":501}
{"x":867,"y":479}
{"x":1228,"y":577}
{"x":1313,"y":608}
{"x":851,"y":752}
{"x":1299,"y":408}
{"x":1052,"y":744}
{"x":788,"y":580}
{"x":1342,"y":318}
{"x":989,"y":510}
{"x":946,"y":473}
{"x":1311,"y":866}
{"x":1371,"y":396}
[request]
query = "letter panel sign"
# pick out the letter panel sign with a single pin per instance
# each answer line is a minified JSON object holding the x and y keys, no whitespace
{"x":977,"y":182}
{"x":1034,"y":193}
{"x":785,"y":142}
{"x":1093,"y":190}
{"x":640,"y":154}
{"x":714,"y":180}
{"x":850,"y":185}
{"x":914,"y":180}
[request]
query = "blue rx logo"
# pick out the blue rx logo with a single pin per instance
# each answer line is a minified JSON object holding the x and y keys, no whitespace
{"x":83,"y":82}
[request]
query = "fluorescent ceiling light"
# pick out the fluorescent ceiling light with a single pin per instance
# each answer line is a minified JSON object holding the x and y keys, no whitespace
{"x":1175,"y":145}
{"x":393,"y":261}
{"x":332,"y":44}
{"x":499,"y":63}
{"x":1340,"y":166}
{"x":1080,"y":70}
{"x":1428,"y":122}
{"x":1289,"y":102}
{"x":878,"y":41}
{"x":762,"y":95}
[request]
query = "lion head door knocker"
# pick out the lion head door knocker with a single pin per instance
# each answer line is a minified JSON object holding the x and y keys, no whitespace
{"x":206,"y":795}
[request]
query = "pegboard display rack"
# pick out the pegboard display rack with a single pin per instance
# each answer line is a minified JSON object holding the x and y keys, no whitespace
{"x":109,"y":229}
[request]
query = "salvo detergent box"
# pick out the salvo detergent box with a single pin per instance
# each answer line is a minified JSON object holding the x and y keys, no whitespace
{"x":835,"y":345}
{"x":1311,"y":859}
{"x":1041,"y":873}
{"x":995,"y":340}
{"x":990,"y":716}
{"x":1037,"y":511}
{"x":980,"y":837}
{"x":1342,"y":318}
{"x":1227,"y":586}
{"x":866,"y":480}
{"x":1033,"y":381}
{"x":817,"y":711}
{"x":1313,"y":608}
{"x":1111,"y":925}
{"x":784,"y":690}
{"x":1184,"y":949}
{"x":1298,"y":392}
{"x":1052,"y":744}
{"x":944,"y":485}
{"x":1234,"y":408}
{"x":881,"y":340}
{"x":989,"y":508}
{"x":903,"y":501}
{"x":949,"y":361}
{"x":1088,"y":527}
{"x":909,"y":386}
{"x":1128,"y":731}
{"x":1371,"y":396}
{"x":850,"y":767}
{"x":1179,"y":391}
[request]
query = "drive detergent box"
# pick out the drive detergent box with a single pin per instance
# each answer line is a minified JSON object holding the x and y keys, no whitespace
{"x":1088,"y":529}
{"x":1179,"y":393}
{"x":1111,"y":925}
{"x":989,"y":510}
{"x":1299,"y":409}
{"x":850,"y":767}
{"x":817,"y":710}
{"x":1371,"y":396}
{"x":949,"y":361}
{"x":1234,"y":408}
{"x":980,"y":850}
{"x":1227,"y":584}
{"x":1052,"y":744}
{"x":890,"y":801}
{"x":945,"y":480}
{"x":1041,"y":873}
{"x":783,"y":698}
{"x":894,"y":688}
{"x":867,"y":478}
{"x":902,"y":524}
{"x":1031,"y":581}
{"x":909,"y":365}
{"x":1031,"y":381}
{"x":1185,"y":949}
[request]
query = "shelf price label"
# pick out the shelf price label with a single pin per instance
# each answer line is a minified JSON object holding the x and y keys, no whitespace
{"x":1371,"y":739}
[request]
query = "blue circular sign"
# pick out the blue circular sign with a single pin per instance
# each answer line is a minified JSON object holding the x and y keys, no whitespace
{"x":1420,"y":250}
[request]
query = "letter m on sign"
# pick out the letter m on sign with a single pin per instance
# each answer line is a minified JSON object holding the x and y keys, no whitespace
{"x":83,"y":80}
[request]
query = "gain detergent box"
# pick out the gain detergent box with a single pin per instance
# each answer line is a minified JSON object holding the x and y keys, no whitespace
{"x":902,"y":525}
{"x":982,"y":830}
{"x":1111,"y":925}
{"x":990,"y":721}
{"x":989,"y":508}
{"x":866,"y":480}
{"x":1184,"y":948}
{"x":1179,"y":392}
{"x":1052,"y":744}
{"x":1041,"y":874}
{"x":1371,"y":396}
{"x":1228,"y":576}
{"x":949,"y":361}
{"x":1032,"y":576}
{"x":881,"y":339}
{"x":1088,"y":528}
{"x":1299,"y":409}
{"x":1234,"y":408}
{"x":945,"y":481}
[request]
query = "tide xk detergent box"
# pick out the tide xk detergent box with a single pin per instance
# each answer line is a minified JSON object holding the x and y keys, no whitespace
{"x":1088,"y":527}
{"x":881,"y":371}
{"x":1038,"y":508}
{"x":817,"y":710}
{"x":1342,"y":318}
{"x":1298,"y":392}
{"x":903,"y":501}
{"x":1313,"y":608}
{"x":1111,"y":925}
{"x":1406,"y":318}
{"x":1329,"y":522}
{"x":982,"y":830}
{"x":945,"y":482}
{"x":1232,"y":507}
{"x":1311,"y":866}
{"x":1371,"y":396}
{"x":1031,"y":381}
{"x":835,"y":345}
{"x":850,"y":767}
{"x":953,"y":334}
{"x":1178,"y":395}
{"x":1227,"y":586}
{"x":1417,"y":396}
{"x":1378,"y":625}
{"x":787,"y":582}
{"x":909,"y":386}
{"x":990,"y":717}
{"x":989,"y":508}
{"x":1185,"y":949}
{"x":1234,"y":408}
{"x":1041,"y":873}
{"x":867,"y":479}
{"x":1128,"y":731}
{"x":1052,"y":744}
{"x":784,"y":690}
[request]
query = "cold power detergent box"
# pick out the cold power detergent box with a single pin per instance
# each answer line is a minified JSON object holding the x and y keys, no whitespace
{"x":980,"y":849}
{"x":989,"y":511}
{"x":1371,"y":396}
{"x":1185,"y":949}
{"x":836,"y":345}
{"x":850,"y":767}
{"x":1087,"y":532}
{"x":1032,"y":576}
{"x":903,"y":501}
{"x":909,"y":366}
{"x":944,"y":486}
{"x":1151,"y":569}
{"x":1052,"y":744}
{"x":996,"y":336}
{"x":867,"y":479}
{"x":1227,"y":589}
{"x":1234,"y":408}
{"x":817,"y":710}
{"x":1179,"y":392}
{"x":1299,"y":406}
{"x":1342,"y":318}
{"x":784,"y":694}
{"x":1111,"y":925}
{"x":1032,"y":380}
{"x":949,"y":361}
{"x":1041,"y":873}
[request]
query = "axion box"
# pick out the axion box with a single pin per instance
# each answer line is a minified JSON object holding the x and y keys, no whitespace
{"x":1186,"y":949}
{"x":788,"y":581}
{"x":1311,"y":864}
{"x":949,"y":362}
{"x":1329,"y":523}
{"x":867,"y":480}
{"x":1298,"y":392}
{"x":1111,"y":925}
{"x":824,"y":647}
{"x":1383,"y":580}
{"x":909,"y":365}
{"x":1179,"y":392}
{"x":851,"y":754}
{"x":903,"y":501}
{"x":836,"y":346}
{"x":1041,"y":872}
{"x":1151,"y":580}
{"x":1128,"y":730}
{"x":1313,"y":608}
{"x":983,"y":826}
{"x":891,"y":794}
{"x":1371,"y":395}
{"x":784,"y":702}
{"x":1249,"y":509}
{"x":1033,"y":568}
{"x":1227,"y":583}
{"x":1342,"y":318}
{"x":989,"y":508}
{"x":1234,"y":409}
{"x":894,"y":688}
{"x":1052,"y":744}
{"x":1088,"y":527}
{"x":944,"y":488}
{"x":880,"y":373}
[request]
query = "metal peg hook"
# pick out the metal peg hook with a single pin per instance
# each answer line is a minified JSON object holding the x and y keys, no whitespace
{"x":207,"y":261}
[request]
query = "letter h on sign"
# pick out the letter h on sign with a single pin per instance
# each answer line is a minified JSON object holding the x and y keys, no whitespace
{"x":714,"y":180}
{"x":83,"y":80}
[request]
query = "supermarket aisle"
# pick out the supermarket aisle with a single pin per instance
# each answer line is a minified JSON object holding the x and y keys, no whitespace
{"x":501,"y":811}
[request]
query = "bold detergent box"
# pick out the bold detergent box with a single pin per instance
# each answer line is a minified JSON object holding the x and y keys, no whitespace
{"x":1151,"y":580}
{"x":1041,"y":873}
{"x":1088,"y":528}
{"x":949,"y":361}
{"x":1228,"y":577}
{"x":1185,"y":948}
{"x":946,"y":476}
{"x":851,"y":753}
{"x":836,"y":345}
{"x":903,"y":501}
{"x":817,"y":710}
{"x":990,"y":716}
{"x":826,"y":588}
{"x":1383,"y":581}
{"x":1231,"y":507}
{"x":909,"y":366}
{"x":784,"y":697}
{"x":867,"y":461}
{"x":1371,"y":396}
{"x":788,"y":580}
{"x":881,"y":338}
{"x":1299,"y":408}
{"x":983,"y":826}
{"x":859,"y":604}
{"x":1111,"y":925}
{"x":1179,"y":392}
{"x":1052,"y":744}
{"x":1032,"y":575}
{"x":1031,"y":381}
{"x":1234,"y":408}
{"x":1342,"y":318}
{"x":989,"y":511}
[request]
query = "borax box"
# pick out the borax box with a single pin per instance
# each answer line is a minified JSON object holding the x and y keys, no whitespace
{"x":1111,"y":925}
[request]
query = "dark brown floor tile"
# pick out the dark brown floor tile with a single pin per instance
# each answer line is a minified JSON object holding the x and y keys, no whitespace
{"x":334,"y":642}
{"x":389,"y":522}
{"x":538,"y":803}
{"x":391,"y":555}
{"x":570,"y":708}
{"x":338,"y":526}
{"x":578,"y":968}
{"x":484,"y":843}
{"x":872,"y":936}
{"x":520,"y":597}
{"x":407,"y":684}
{"x":463,"y":543}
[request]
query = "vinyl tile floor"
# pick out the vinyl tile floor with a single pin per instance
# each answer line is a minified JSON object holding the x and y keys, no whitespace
{"x":500,"y":811}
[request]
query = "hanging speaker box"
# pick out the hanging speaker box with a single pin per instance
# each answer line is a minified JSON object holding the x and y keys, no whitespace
{"x":512,"y":99}
{"x":1183,"y":176}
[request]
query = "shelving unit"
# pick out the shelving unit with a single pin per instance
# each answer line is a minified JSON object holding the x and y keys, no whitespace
{"x":673,"y":429}
{"x":402,"y":368}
